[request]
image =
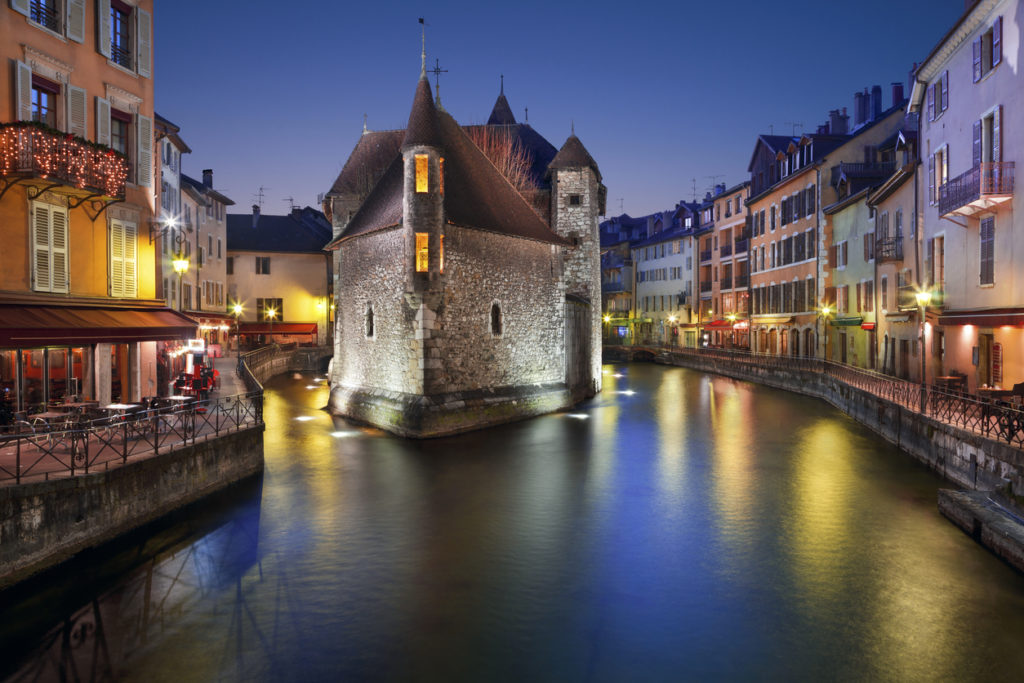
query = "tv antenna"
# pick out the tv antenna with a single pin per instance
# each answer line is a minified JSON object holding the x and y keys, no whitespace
{"x":714,"y":181}
{"x":694,"y":181}
{"x":260,"y":195}
{"x":620,"y":205}
{"x":794,"y":124}
{"x":291,"y":202}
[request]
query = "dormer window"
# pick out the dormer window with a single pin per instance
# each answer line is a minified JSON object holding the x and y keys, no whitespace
{"x":421,"y":174}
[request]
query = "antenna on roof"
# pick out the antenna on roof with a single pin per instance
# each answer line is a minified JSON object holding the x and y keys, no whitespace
{"x":795,"y":124}
{"x":694,"y":181}
{"x":620,"y":206}
{"x":714,"y":181}
{"x":291,"y":203}
{"x":259,"y":196}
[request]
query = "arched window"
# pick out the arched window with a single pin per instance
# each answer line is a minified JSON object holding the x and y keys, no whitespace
{"x":369,"y":321}
{"x":496,"y":319}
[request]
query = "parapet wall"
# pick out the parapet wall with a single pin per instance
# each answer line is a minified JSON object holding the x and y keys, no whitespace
{"x":45,"y":523}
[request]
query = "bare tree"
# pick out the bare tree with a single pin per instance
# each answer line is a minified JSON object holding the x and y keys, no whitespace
{"x":507,"y":155}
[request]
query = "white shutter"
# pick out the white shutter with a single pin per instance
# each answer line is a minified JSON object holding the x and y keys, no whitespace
{"x":144,"y":42}
{"x":103,"y":121}
{"x":23,"y":91}
{"x":144,"y":160}
{"x":76,"y":20}
{"x":131,"y":253}
{"x":77,"y":117}
{"x":20,"y":6}
{"x":41,"y":247}
{"x":103,"y":27}
{"x":59,"y":249}
{"x":116,"y":259}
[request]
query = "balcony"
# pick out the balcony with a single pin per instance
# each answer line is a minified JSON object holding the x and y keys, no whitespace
{"x":725,"y":283}
{"x":705,"y":287}
{"x":725,"y":250}
{"x":880,"y":169}
{"x":890,"y":249}
{"x":45,"y":159}
{"x":705,"y":256}
{"x":980,"y":189}
{"x":740,"y":246}
{"x":906,"y":297}
{"x":742,"y":281}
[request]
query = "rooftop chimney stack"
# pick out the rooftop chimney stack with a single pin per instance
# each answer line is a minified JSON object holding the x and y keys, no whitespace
{"x":897,"y":93}
{"x":838,"y":122}
{"x":208,"y":177}
{"x":858,"y":108}
{"x":876,"y":102}
{"x":255,"y":212}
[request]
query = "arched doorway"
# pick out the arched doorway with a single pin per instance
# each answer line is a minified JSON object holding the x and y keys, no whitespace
{"x":794,"y":342}
{"x":772,"y":341}
{"x":809,"y":342}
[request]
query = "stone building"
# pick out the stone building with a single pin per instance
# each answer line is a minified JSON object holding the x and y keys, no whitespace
{"x":464,"y":299}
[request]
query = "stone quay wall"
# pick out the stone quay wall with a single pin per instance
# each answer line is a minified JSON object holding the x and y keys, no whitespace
{"x":45,"y":523}
{"x":966,"y":458}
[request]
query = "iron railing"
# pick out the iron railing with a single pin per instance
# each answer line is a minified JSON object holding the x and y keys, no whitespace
{"x":725,"y":283}
{"x":988,"y":178}
{"x":992,"y":418}
{"x":77,"y":445}
{"x":740,"y":246}
{"x":889,"y":249}
{"x":725,"y":250}
{"x":742,"y":281}
{"x":44,"y":14}
{"x":705,"y":256}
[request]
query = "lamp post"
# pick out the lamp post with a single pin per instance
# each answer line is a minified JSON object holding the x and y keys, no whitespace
{"x":732,"y":331}
{"x":180,"y":264}
{"x":236,"y":310}
{"x":924,"y":298}
{"x":826,"y":311}
{"x":271,"y":314}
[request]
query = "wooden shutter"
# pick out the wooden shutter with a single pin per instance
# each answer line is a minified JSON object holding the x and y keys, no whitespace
{"x":131,"y":249}
{"x":859,"y":306}
{"x":77,"y":111}
{"x":23,"y":91}
{"x":997,"y":142}
{"x":75,"y":20}
{"x":867,"y":236}
{"x":929,"y":261}
{"x":997,"y":41}
{"x":945,"y":91}
{"x":144,"y":162}
{"x":103,"y":27}
{"x":41,"y":266}
{"x":931,"y":102}
{"x":832,"y":256}
{"x":116,"y":258}
{"x":987,"y":269}
{"x":102,"y":121}
{"x":144,"y":42}
{"x":931,"y":179}
{"x":830,"y":295}
{"x":976,"y":146}
{"x":976,"y":58}
{"x":20,"y":6}
{"x":846,"y":253}
{"x":59,"y":249}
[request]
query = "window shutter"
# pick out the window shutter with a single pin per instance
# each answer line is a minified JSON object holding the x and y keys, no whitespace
{"x":976,"y":146}
{"x":75,"y":20}
{"x":976,"y":58}
{"x":832,"y":256}
{"x":144,"y":43}
{"x":23,"y":77}
{"x":41,"y":247}
{"x":859,"y":307}
{"x":997,"y":41}
{"x":116,"y":259}
{"x":945,"y":91}
{"x":997,"y":154}
{"x":987,"y":251}
{"x":59,"y":249}
{"x":20,"y":6}
{"x":866,"y":237}
{"x":931,"y":179}
{"x":131,"y":248}
{"x":144,"y":163}
{"x":945,"y":166}
{"x":103,"y":27}
{"x":931,"y":102}
{"x":830,"y":295}
{"x":929,"y":269}
{"x":102,"y":121}
{"x":77,"y":111}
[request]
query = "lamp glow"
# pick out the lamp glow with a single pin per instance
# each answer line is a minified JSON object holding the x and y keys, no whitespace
{"x":924,"y":298}
{"x":180,"y":265}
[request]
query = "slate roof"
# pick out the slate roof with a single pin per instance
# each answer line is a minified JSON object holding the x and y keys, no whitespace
{"x":574,"y":155}
{"x":423,"y":119}
{"x":301,"y":231}
{"x":501,"y":114}
{"x":199,"y":187}
{"x":368,"y":161}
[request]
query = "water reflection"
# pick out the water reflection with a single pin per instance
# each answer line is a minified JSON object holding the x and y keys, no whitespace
{"x":677,"y":526}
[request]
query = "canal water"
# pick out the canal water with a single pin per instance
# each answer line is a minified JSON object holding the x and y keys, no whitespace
{"x":680,"y":526}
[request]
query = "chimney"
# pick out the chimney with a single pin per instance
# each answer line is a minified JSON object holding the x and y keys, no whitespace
{"x":255,"y":211}
{"x":897,"y":93}
{"x":858,"y":108}
{"x":208,"y":177}
{"x":876,"y":102}
{"x":719,"y":189}
{"x":837,"y":122}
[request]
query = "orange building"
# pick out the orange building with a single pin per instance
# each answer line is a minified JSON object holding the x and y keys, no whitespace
{"x":78,"y":314}
{"x":725,"y":274}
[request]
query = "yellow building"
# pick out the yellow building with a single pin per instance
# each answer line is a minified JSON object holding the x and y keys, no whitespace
{"x":78,"y":313}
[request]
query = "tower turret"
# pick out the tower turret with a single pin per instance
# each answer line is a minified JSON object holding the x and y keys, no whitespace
{"x":423,"y":191}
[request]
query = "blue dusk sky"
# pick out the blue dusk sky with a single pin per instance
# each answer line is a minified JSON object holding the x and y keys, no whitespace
{"x":663,"y":95}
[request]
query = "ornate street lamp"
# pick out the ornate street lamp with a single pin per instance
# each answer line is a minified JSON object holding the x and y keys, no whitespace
{"x":180,"y":265}
{"x":270,"y":315}
{"x":236,"y":310}
{"x":924,"y":298}
{"x":826,"y":311}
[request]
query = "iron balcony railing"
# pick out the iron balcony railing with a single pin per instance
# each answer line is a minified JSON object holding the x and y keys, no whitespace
{"x":705,"y":256}
{"x":889,"y":249}
{"x":45,"y":14}
{"x":878,"y":169}
{"x":705,"y":286}
{"x":742,"y":281}
{"x":725,"y":250}
{"x":991,"y":178}
{"x":32,"y":150}
{"x":725,"y":283}
{"x":740,"y":246}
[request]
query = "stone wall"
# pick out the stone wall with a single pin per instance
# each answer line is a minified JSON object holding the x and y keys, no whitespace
{"x":44,"y":523}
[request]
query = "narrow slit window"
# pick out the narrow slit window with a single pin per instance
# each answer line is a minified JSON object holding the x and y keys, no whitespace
{"x":421,"y":173}
{"x":440,"y":254}
{"x":495,"y":319}
{"x":422,"y":252}
{"x":369,"y":321}
{"x":440,"y":175}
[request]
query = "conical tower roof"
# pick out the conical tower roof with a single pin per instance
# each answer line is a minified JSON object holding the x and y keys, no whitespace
{"x":423,"y":127}
{"x":574,"y":155}
{"x":501,"y":115}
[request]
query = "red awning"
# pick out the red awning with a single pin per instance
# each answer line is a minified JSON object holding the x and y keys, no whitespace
{"x":277,"y":328}
{"x":867,"y":326}
{"x":993,"y":317}
{"x":28,"y":326}
{"x":718,"y":325}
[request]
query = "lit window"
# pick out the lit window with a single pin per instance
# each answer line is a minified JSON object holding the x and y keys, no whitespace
{"x":440,"y":165}
{"x":422,"y":251}
{"x":441,"y":254}
{"x":421,"y":174}
{"x":44,"y":104}
{"x":120,"y":38}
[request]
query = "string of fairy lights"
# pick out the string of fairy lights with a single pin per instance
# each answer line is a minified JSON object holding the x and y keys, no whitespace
{"x":27,"y":147}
